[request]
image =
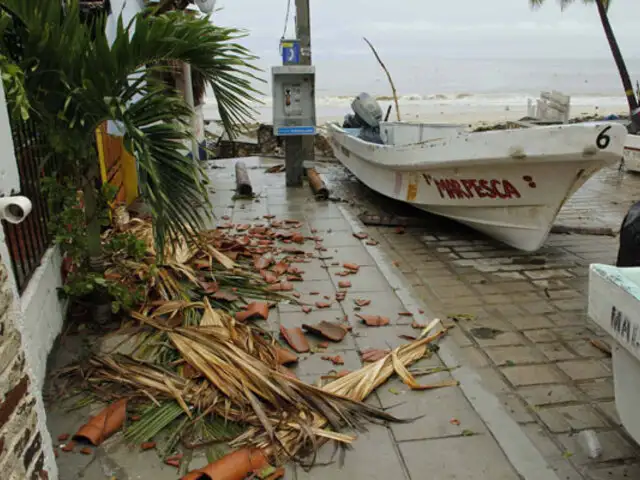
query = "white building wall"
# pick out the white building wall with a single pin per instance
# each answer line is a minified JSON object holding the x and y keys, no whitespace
{"x":37,"y":317}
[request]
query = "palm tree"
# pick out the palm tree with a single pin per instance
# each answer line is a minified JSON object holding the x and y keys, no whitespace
{"x":603,"y":7}
{"x":75,"y":80}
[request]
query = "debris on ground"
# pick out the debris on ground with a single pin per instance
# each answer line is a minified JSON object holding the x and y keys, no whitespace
{"x":601,"y":345}
{"x":193,"y":362}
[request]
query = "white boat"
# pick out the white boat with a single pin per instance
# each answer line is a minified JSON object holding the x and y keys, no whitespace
{"x":632,"y":153}
{"x":614,"y":304}
{"x":509,"y":184}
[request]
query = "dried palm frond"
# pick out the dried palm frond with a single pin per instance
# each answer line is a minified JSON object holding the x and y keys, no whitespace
{"x":183,"y":351}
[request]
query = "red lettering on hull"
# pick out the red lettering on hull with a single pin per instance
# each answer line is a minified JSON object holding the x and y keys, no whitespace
{"x":474,"y":188}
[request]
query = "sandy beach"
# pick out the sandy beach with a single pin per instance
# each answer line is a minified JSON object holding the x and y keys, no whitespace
{"x":471,"y":110}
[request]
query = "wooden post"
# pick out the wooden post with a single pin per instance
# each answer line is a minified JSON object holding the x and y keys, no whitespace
{"x":243,"y":182}
{"x":303,"y":32}
{"x":317,"y":185}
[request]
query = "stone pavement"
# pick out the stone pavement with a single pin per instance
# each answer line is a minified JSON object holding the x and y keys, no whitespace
{"x":522,"y":319}
{"x":528,"y":377}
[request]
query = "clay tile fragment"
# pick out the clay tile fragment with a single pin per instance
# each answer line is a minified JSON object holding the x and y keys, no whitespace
{"x":296,"y":294}
{"x":351,"y":267}
{"x":148,"y":445}
{"x":262,"y":262}
{"x":68,"y":447}
{"x":344,"y":284}
{"x":294,"y":271}
{"x":104,"y":424}
{"x":209,"y":287}
{"x":227,"y":296}
{"x":374,"y":320}
{"x":86,"y":451}
{"x":306,"y":309}
{"x":417,"y":325}
{"x":295,"y":338}
{"x":371,"y":243}
{"x":336,"y":360}
{"x":294,"y":278}
{"x":373,"y":354}
{"x":405,"y":314}
{"x":361,"y":235}
{"x":284,"y":356}
{"x":297,"y":238}
{"x":293,"y":250}
{"x":340,"y":296}
{"x":254,"y":310}
{"x":329,"y":330}
{"x":268,"y":276}
{"x":323,"y":304}
{"x":280,"y":268}
{"x":362,"y":302}
{"x":234,"y":466}
{"x":268,"y":217}
{"x":63,"y":437}
{"x":281,"y":287}
{"x":243,"y":227}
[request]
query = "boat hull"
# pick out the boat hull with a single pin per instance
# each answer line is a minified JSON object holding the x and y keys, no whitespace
{"x":506,"y":186}
{"x":614,"y":304}
{"x":632,"y":153}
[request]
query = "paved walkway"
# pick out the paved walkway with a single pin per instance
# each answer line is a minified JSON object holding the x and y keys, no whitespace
{"x":528,"y":376}
{"x":522,"y":318}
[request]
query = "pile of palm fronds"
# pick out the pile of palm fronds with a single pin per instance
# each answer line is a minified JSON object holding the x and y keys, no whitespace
{"x":200,"y":376}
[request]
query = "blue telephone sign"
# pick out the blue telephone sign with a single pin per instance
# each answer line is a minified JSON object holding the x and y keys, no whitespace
{"x":290,"y":52}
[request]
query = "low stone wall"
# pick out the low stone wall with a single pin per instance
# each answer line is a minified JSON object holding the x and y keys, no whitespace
{"x":21,"y":437}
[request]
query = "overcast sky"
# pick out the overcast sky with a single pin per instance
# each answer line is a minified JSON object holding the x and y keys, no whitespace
{"x":430,"y":28}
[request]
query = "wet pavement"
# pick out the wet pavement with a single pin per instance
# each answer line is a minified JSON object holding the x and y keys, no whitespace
{"x":522,"y":317}
{"x":529,"y":377}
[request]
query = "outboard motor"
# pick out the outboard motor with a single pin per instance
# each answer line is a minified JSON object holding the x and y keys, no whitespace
{"x":629,"y":251}
{"x":367,"y":117}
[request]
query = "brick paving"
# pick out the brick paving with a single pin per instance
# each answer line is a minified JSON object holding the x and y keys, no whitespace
{"x":522,"y":322}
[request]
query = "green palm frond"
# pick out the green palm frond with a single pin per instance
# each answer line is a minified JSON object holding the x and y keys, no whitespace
{"x":75,"y":79}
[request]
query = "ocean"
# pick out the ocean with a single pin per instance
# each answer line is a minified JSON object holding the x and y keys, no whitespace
{"x":459,"y":90}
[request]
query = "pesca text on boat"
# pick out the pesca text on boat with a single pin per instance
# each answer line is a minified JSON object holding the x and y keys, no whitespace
{"x":475,"y":188}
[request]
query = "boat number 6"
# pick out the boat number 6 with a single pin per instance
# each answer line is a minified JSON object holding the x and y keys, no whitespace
{"x":603,"y":139}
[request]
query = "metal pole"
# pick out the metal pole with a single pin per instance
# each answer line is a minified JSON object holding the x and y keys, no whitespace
{"x":188,"y":96}
{"x":303,"y":32}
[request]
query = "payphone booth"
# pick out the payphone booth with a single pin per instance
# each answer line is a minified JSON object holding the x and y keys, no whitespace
{"x":294,"y":113}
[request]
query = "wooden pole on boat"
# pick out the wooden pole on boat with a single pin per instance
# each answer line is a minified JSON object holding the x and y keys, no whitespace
{"x":393,"y":87}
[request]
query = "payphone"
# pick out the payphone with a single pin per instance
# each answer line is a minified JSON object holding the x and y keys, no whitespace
{"x":294,"y":110}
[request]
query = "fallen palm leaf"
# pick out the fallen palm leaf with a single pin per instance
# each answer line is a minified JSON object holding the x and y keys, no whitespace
{"x":191,"y":357}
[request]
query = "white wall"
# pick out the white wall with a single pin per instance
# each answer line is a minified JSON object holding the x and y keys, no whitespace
{"x":128,"y":10}
{"x":38,"y":332}
{"x":9,"y":178}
